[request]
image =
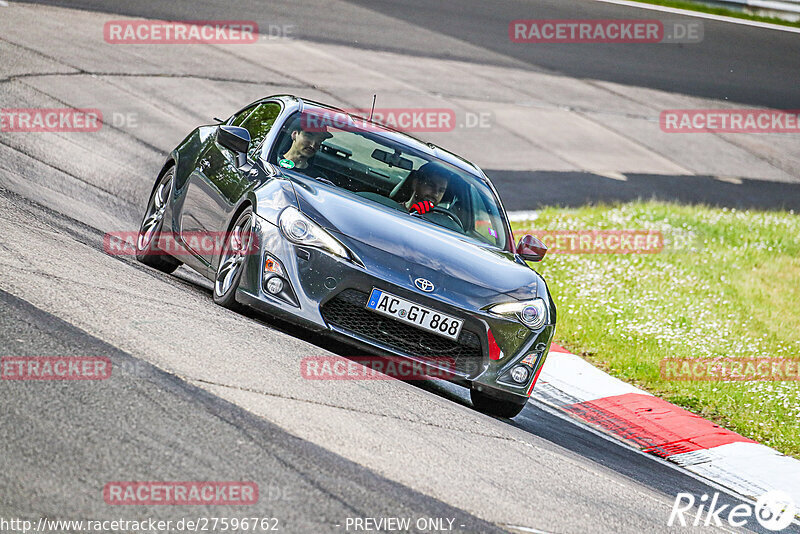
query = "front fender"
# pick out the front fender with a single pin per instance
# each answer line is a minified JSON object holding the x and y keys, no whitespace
{"x":267,"y":196}
{"x":271,"y":197}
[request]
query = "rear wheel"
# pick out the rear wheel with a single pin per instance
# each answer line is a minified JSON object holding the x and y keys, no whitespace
{"x":147,"y":250}
{"x":231,"y":262}
{"x":492,"y":406}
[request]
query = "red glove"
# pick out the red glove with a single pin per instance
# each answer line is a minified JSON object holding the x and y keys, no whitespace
{"x":422,"y":207}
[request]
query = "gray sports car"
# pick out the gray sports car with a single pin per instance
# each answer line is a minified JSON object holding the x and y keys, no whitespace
{"x":341,"y":225}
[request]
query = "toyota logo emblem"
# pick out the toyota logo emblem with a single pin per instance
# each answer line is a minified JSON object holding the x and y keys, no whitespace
{"x":424,"y":285}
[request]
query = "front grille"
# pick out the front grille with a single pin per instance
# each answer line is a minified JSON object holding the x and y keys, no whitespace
{"x":347,"y":310}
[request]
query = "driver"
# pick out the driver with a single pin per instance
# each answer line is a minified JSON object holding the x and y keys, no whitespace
{"x":428,"y":186}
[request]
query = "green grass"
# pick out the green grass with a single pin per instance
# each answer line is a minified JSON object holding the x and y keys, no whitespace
{"x":704,"y":8}
{"x":727,"y":284}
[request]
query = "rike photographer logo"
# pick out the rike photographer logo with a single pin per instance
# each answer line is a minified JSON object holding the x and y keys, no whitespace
{"x":774,"y":511}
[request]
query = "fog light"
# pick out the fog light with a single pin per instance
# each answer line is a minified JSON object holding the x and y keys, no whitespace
{"x":274,"y":285}
{"x":519,"y":374}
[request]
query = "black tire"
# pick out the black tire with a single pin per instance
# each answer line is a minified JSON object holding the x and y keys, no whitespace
{"x":231,"y":261}
{"x":147,"y":250}
{"x":489,"y":405}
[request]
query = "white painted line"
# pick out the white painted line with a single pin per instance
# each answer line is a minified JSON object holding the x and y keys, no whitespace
{"x":524,"y":529}
{"x":697,"y":14}
{"x":729,"y":179}
{"x":3,"y":3}
{"x":612,"y":175}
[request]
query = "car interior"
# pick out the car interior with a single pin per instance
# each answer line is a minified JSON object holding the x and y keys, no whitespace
{"x":364,"y":163}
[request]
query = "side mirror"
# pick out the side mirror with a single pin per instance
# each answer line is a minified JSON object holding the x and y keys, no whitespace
{"x":531,"y":248}
{"x":236,"y":139}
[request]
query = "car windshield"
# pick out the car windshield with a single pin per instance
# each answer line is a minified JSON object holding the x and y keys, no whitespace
{"x":355,"y":156}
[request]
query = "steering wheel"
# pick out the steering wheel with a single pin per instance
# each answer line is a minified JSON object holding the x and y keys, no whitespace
{"x":445,"y":211}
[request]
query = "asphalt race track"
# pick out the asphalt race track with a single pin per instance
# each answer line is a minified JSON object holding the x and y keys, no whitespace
{"x":200,"y":393}
{"x":737,"y":63}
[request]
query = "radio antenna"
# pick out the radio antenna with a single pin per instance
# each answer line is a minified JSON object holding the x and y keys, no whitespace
{"x":373,"y":106}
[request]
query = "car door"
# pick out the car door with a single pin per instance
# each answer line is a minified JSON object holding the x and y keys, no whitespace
{"x":217,"y":183}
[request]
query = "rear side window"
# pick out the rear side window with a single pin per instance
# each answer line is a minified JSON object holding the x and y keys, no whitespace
{"x":259,"y":122}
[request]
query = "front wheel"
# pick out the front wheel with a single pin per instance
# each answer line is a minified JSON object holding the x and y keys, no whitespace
{"x":147,"y":250}
{"x":231,"y":262}
{"x":492,"y":406}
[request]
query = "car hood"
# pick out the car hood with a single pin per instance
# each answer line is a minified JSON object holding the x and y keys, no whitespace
{"x":401,"y":248}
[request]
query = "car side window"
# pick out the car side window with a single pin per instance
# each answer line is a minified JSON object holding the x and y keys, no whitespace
{"x":259,"y":122}
{"x":241,"y":116}
{"x":487,"y":224}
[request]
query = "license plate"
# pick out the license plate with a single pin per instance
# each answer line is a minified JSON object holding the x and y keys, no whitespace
{"x":419,"y":316}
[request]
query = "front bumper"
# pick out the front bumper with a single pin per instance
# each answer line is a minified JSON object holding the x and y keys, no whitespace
{"x":329,"y":294}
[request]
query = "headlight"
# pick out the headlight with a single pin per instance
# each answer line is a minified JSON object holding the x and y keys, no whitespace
{"x":531,"y":313}
{"x":301,"y":230}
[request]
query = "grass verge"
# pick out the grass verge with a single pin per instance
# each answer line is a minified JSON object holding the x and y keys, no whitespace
{"x":727,"y":284}
{"x":705,"y":8}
